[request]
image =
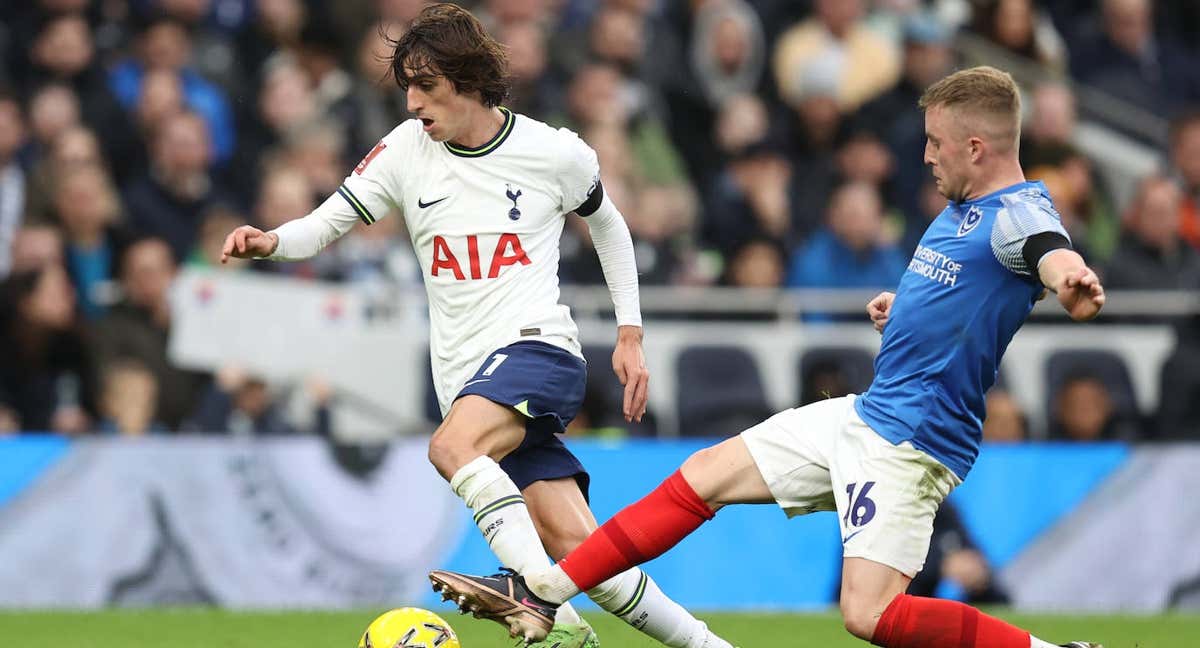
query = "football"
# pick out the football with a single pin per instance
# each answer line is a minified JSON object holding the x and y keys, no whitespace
{"x":409,"y":628}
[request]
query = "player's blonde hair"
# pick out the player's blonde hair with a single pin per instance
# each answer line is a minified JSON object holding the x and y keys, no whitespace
{"x":986,"y":99}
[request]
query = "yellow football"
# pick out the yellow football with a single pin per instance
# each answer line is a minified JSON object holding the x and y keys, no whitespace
{"x":409,"y":628}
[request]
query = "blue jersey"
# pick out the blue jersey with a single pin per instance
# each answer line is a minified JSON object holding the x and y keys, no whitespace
{"x":965,"y":293}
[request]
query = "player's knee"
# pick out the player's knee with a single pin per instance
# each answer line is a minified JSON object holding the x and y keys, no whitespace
{"x":859,"y":617}
{"x":704,"y":462}
{"x":448,"y":454}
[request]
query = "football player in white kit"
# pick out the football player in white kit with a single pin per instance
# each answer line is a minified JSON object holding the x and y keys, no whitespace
{"x":484,"y":193}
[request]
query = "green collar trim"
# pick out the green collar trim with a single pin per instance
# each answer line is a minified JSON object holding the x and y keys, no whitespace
{"x":490,"y":145}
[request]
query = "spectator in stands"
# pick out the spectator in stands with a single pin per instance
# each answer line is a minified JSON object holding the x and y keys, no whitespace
{"x":36,"y":246}
{"x":285,"y":195}
{"x":662,"y":224}
{"x":757,"y":263}
{"x":1051,"y":125}
{"x":316,"y":150}
{"x":1185,"y":159}
{"x":1006,"y":421}
{"x":164,"y":44}
{"x":1017,"y":26}
{"x":728,"y":51}
{"x":332,"y":87}
{"x":89,"y":212}
{"x":1084,"y":411}
{"x":1125,"y":58}
{"x":1151,"y":254}
{"x":955,"y":560}
{"x":63,"y":52}
{"x":276,"y":28}
{"x":752,"y":198}
{"x":12,"y":177}
{"x":850,"y":250}
{"x":899,"y":122}
{"x":128,"y":396}
{"x":169,"y":199}
{"x":818,"y":127}
{"x":533,"y":91}
{"x":138,"y":328}
{"x":161,"y":97}
{"x":76,"y":146}
{"x":864,"y":158}
{"x":865,"y":63}
{"x":381,"y":105}
{"x":46,"y":379}
{"x":241,"y":404}
{"x":598,"y":95}
{"x":53,"y":109}
{"x":286,"y":105}
{"x":219,"y":220}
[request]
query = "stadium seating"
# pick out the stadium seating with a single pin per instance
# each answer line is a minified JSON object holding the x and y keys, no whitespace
{"x":720,"y":391}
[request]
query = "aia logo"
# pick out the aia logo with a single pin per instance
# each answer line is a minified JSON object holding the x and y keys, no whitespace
{"x":362,"y":166}
{"x":508,"y":251}
{"x":971,"y":220}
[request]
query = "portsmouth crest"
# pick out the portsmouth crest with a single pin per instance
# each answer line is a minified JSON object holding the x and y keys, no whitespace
{"x":971,"y":220}
{"x":513,"y":213}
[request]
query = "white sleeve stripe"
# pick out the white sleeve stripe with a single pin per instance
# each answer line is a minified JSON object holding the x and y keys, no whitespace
{"x":1016,"y":221}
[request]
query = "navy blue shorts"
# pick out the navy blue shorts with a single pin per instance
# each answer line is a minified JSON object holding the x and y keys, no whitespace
{"x":546,"y":384}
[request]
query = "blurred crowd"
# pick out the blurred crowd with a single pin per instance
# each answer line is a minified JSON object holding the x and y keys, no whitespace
{"x":757,"y":143}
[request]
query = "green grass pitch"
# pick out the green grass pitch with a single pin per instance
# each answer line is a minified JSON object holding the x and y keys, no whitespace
{"x":206,"y":628}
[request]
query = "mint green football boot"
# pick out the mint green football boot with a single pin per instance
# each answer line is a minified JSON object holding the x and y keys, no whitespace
{"x":565,"y":635}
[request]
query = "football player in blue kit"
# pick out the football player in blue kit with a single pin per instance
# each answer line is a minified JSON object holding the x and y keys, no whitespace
{"x":884,"y":459}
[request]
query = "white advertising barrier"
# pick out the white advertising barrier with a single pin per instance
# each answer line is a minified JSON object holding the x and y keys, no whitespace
{"x":239,"y":524}
{"x":287,"y":329}
{"x":1133,"y":545}
{"x":373,"y":347}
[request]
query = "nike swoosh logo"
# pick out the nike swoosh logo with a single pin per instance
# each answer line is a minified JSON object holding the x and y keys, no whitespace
{"x":423,"y":205}
{"x":476,"y":381}
{"x":847,"y":538}
{"x":527,"y":603}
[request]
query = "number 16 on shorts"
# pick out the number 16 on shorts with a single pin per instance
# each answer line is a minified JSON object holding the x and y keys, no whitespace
{"x":860,"y":508}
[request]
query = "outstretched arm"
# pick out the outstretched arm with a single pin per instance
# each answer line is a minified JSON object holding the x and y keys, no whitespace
{"x":614,"y":246}
{"x":296,"y":239}
{"x":1078,"y":288}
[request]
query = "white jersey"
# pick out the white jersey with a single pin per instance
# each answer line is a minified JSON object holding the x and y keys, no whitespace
{"x":485,"y":224}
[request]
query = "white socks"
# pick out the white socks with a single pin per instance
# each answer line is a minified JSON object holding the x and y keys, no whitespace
{"x":1034,"y":642}
{"x":554,"y":586}
{"x":501,"y":515}
{"x":636,"y":599}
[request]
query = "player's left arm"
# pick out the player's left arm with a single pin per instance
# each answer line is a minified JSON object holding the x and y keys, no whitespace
{"x":1029,"y":239}
{"x":1079,"y":291}
{"x":614,"y":246}
{"x":583,"y":193}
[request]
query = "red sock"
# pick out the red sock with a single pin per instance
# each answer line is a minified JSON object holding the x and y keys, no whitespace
{"x":917,"y":622}
{"x":641,"y":531}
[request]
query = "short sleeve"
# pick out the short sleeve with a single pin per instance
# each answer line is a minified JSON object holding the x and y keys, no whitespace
{"x":578,"y":174}
{"x":373,"y":188}
{"x":1019,"y":219}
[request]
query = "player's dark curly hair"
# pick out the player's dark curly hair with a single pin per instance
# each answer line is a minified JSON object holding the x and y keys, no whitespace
{"x":447,"y":40}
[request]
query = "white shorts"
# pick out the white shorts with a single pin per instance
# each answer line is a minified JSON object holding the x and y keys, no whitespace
{"x":823,"y":457}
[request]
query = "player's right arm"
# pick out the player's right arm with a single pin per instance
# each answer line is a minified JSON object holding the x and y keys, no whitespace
{"x":297,"y":239}
{"x":879,"y":309}
{"x":367,"y":194}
